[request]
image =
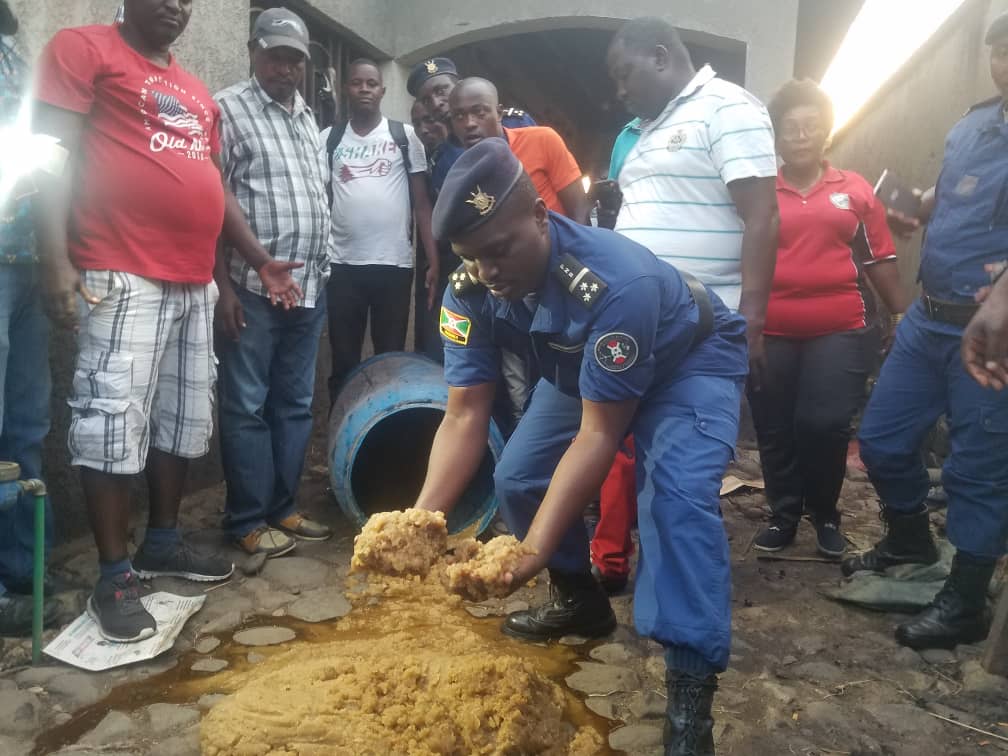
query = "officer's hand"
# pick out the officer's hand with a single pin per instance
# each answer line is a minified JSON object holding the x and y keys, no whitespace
{"x":229,"y":317}
{"x":528,"y":568}
{"x":757,"y":359}
{"x":62,"y":285}
{"x":985,"y":343}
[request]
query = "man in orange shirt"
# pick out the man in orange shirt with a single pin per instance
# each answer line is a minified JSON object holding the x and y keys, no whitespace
{"x":476,"y":112}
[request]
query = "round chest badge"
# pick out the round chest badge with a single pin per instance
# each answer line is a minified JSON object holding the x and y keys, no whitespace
{"x":616,"y":352}
{"x":677,"y":140}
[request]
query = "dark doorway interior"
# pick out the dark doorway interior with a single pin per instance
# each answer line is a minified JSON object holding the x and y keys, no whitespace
{"x":560,"y":78}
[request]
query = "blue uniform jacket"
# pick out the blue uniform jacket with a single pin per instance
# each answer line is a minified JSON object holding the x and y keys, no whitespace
{"x":970,"y":223}
{"x":612,"y":322}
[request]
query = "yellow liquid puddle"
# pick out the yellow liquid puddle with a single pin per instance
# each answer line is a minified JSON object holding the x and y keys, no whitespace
{"x":407,"y":671}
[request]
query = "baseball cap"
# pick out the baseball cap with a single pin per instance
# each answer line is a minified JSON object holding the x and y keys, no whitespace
{"x":279,"y":27}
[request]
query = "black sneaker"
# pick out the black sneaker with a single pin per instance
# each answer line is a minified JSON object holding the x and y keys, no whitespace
{"x":115,"y":606}
{"x":774,"y":538}
{"x":829,"y":540}
{"x":180,"y":561}
{"x":16,"y":614}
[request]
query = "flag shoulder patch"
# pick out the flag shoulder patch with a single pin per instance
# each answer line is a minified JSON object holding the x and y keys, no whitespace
{"x":454,"y":327}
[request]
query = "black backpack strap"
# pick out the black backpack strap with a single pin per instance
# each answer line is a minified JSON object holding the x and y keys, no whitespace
{"x":398,"y":131}
{"x":332,"y":142}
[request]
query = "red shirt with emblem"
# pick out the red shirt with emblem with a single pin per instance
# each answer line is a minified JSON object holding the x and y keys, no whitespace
{"x":827,"y":238}
{"x":147,"y":198}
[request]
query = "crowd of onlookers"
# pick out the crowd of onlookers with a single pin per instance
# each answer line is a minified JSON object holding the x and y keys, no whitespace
{"x":198,"y":245}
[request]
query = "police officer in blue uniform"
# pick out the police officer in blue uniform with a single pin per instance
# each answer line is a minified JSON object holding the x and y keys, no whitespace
{"x":624,"y":344}
{"x":431,"y":83}
{"x":923,"y":377}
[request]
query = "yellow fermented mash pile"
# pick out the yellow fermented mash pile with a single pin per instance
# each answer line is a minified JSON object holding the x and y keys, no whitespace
{"x":411,"y":674}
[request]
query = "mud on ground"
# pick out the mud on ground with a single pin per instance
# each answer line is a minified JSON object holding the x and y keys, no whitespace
{"x":808,"y":677}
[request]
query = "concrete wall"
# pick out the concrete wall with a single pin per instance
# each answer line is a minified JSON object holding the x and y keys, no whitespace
{"x":213,"y":46}
{"x":425,"y":27}
{"x":903,"y":127}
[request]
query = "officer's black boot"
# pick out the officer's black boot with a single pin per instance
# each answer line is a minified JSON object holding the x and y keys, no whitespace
{"x":958,"y":613}
{"x":689,"y":725}
{"x":907,"y":541}
{"x":578,"y":606}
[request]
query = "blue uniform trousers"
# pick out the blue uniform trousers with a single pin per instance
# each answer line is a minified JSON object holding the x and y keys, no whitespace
{"x":685,"y":435}
{"x":922,"y":378}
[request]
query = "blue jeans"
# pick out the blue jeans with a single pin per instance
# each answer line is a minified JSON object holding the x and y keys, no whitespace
{"x":25,"y":386}
{"x":265,"y":384}
{"x":684,"y":435}
{"x":922,"y":378}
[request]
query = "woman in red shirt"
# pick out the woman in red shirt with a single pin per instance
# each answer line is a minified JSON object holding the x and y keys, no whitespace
{"x":821,"y":334}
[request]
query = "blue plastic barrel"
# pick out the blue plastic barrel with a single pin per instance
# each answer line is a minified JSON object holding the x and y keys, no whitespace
{"x":381,"y":429}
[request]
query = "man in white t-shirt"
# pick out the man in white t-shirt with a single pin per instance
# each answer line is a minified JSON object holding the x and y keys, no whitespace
{"x":377,"y":173}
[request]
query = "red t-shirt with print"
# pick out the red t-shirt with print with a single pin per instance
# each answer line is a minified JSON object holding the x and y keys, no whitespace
{"x":827,"y":239}
{"x":147,"y":197}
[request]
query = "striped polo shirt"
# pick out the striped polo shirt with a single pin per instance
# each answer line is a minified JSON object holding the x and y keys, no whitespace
{"x":675,"y":175}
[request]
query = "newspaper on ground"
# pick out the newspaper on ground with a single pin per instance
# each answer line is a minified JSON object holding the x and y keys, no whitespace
{"x":81,"y":645}
{"x":732,"y":483}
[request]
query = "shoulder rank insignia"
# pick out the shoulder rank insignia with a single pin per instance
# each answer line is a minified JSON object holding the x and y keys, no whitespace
{"x":460,"y":281}
{"x":580,"y":282}
{"x":983,"y":104}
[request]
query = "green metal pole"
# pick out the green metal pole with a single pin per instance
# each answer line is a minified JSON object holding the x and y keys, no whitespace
{"x":37,"y":489}
{"x":38,"y":577}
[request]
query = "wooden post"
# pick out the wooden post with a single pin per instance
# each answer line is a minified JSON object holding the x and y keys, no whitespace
{"x":995,"y":659}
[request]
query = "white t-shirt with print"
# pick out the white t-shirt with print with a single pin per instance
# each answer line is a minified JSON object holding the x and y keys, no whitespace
{"x":371,"y":210}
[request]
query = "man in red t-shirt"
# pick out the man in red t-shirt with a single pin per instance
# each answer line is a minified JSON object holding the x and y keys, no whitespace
{"x":132,"y":228}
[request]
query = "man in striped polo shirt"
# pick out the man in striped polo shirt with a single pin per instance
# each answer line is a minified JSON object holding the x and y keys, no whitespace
{"x":697,"y":168}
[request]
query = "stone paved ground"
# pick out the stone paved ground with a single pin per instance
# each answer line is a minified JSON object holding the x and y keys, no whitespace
{"x":808,"y":677}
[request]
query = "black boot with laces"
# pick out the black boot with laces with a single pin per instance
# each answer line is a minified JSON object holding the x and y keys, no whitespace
{"x":578,"y":605}
{"x":689,"y":724}
{"x":907,"y":541}
{"x":958,"y":613}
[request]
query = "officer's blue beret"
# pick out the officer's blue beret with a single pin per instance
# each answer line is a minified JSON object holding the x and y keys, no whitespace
{"x":428,"y":70}
{"x":998,"y":29}
{"x":475,"y":187}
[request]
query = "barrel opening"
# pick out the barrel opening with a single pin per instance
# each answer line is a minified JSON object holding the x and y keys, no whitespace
{"x":389,"y":467}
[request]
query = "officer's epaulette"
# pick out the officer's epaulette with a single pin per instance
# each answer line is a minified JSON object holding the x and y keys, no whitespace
{"x":986,"y":103}
{"x":580,"y":282}
{"x":461,"y":281}
{"x":513,"y":113}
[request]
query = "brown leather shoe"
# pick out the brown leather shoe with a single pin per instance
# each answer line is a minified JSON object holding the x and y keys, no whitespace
{"x":304,"y":528}
{"x":268,"y":541}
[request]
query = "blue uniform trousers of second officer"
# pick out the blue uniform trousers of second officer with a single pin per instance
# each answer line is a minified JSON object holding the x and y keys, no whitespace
{"x":922,"y":378}
{"x":685,"y":435}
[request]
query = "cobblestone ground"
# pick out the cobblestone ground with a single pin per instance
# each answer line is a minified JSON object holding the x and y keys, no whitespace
{"x":807,"y":675}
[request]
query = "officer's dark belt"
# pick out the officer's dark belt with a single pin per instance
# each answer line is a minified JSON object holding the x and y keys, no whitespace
{"x":705,"y":323}
{"x":954,"y":313}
